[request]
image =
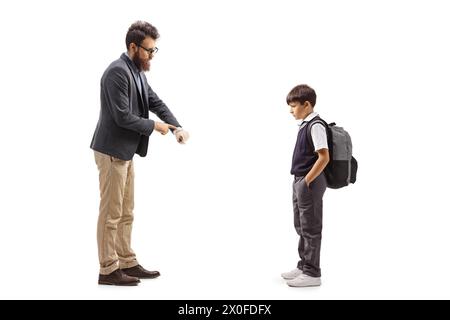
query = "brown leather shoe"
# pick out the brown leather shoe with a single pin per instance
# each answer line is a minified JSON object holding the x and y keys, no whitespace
{"x":139,"y":272}
{"x":117,"y":278}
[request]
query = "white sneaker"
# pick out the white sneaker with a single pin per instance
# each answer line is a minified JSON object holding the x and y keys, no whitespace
{"x":304,"y":280}
{"x":292,"y":274}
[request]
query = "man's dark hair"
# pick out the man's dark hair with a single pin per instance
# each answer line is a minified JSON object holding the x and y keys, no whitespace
{"x":302,"y":93}
{"x":138,"y":31}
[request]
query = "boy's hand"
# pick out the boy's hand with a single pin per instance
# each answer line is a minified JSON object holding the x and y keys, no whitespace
{"x":321,"y":163}
{"x":307,"y":182}
{"x":163,"y":128}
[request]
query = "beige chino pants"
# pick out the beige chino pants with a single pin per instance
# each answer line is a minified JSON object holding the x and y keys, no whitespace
{"x":116,"y":213}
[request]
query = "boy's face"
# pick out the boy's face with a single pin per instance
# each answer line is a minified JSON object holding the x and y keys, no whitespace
{"x":300,"y":111}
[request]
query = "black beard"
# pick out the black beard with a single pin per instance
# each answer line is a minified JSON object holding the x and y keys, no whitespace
{"x":138,"y":63}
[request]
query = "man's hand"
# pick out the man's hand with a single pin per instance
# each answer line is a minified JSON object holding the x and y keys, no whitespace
{"x":163,"y":128}
{"x":181,"y":135}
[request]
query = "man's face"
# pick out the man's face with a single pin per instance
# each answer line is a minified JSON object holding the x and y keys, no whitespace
{"x":298,"y":110}
{"x":142,"y":56}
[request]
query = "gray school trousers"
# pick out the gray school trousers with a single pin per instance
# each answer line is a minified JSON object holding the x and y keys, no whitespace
{"x":307,"y":203}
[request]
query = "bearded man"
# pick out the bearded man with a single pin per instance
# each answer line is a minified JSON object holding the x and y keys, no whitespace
{"x":123,"y":129}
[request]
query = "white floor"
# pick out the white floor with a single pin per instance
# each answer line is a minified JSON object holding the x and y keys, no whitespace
{"x":240,"y":257}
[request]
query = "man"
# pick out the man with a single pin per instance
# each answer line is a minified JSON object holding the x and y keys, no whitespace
{"x":123,"y":129}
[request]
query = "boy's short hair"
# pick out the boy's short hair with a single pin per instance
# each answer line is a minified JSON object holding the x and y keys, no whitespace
{"x":302,"y":93}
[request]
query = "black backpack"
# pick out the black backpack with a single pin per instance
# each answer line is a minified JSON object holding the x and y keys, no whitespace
{"x":341,"y":170}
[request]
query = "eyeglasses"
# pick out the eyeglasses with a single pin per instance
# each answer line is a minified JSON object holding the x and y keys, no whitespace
{"x":150,"y":51}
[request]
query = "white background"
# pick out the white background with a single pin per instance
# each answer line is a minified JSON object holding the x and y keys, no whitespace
{"x":215,"y":215}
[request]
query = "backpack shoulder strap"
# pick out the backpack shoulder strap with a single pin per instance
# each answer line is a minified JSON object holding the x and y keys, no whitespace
{"x":327,"y":129}
{"x":312,"y":122}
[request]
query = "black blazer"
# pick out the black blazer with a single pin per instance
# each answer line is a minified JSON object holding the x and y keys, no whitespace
{"x":123,"y":127}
